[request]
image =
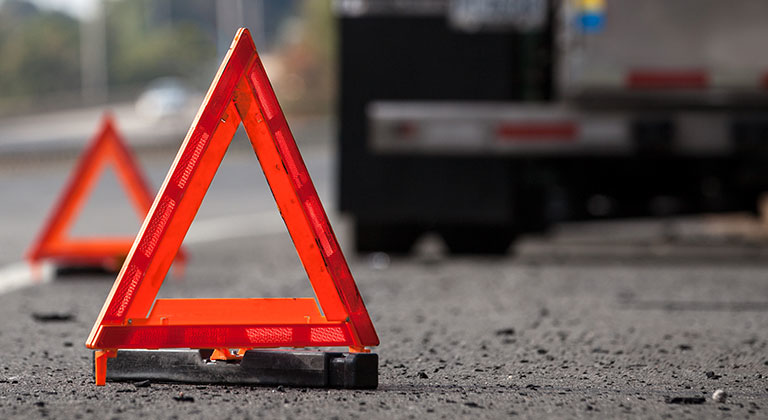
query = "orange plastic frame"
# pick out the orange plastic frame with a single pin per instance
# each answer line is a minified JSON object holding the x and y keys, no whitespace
{"x":54,"y":243}
{"x":240,"y":92}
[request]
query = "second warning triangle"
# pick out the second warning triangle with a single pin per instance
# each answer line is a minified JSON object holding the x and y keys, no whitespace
{"x":55,"y":243}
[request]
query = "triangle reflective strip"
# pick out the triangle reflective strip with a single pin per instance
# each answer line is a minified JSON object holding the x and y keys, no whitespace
{"x":131,"y":316}
{"x":106,"y":147}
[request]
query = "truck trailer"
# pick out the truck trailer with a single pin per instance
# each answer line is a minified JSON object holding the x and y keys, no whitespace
{"x":481,"y":120}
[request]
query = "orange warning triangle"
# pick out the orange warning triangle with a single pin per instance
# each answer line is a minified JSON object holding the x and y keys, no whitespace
{"x":54,"y":243}
{"x":132,"y":318}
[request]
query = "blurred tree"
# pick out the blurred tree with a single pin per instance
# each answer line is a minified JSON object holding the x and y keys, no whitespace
{"x":320,"y":37}
{"x":145,"y":42}
{"x":39,"y":51}
{"x":145,"y":39}
{"x":306,"y":51}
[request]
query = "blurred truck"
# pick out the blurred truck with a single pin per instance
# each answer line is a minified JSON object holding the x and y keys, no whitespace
{"x":484,"y":119}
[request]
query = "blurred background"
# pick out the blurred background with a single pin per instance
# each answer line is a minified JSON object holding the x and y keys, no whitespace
{"x":71,"y":54}
{"x":469,"y":123}
{"x":149,"y":62}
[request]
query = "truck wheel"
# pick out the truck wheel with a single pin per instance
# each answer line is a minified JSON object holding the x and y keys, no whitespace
{"x":488,"y":240}
{"x":392,"y":238}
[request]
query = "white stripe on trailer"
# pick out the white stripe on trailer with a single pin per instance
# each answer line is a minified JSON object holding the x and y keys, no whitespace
{"x":470,"y":127}
{"x":461,"y":128}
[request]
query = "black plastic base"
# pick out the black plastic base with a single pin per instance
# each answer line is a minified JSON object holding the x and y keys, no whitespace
{"x":86,"y":271}
{"x":257,"y":367}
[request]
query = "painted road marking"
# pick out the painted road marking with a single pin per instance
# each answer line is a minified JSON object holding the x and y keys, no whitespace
{"x":20,"y":274}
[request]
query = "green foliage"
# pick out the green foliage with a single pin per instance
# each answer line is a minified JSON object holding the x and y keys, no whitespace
{"x":320,"y":29}
{"x":312,"y":57}
{"x":40,"y":54}
{"x":40,"y":50}
{"x":166,"y":51}
{"x":143,"y":47}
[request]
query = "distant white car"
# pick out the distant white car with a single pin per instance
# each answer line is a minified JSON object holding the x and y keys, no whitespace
{"x":163,"y":98}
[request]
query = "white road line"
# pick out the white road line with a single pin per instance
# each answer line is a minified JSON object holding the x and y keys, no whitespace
{"x":20,"y":274}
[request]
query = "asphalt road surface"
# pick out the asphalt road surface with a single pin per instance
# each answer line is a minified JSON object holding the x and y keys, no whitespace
{"x":630,"y":319}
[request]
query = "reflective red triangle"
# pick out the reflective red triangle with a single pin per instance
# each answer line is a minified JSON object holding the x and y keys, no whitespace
{"x":132,"y":318}
{"x":54,"y":243}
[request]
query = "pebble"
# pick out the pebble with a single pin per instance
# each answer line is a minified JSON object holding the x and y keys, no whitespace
{"x":142,"y":384}
{"x":52,"y":317}
{"x":719,"y":396}
{"x":505,"y":331}
{"x":380,"y":260}
{"x":183,"y":398}
{"x":685,"y":400}
{"x":712,"y":375}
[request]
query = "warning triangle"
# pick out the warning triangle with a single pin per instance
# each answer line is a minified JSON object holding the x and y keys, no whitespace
{"x":54,"y":243}
{"x":132,"y":318}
